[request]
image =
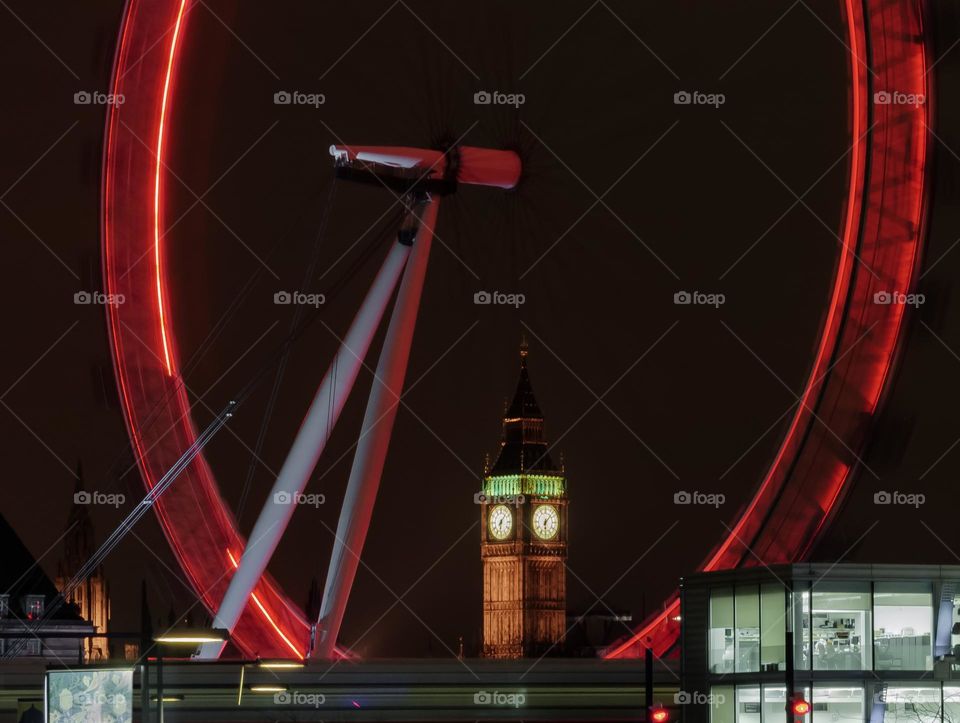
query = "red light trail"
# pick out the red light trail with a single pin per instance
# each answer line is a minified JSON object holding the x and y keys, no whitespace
{"x":850,"y":374}
{"x":195,"y":519}
{"x":266,"y":615}
{"x":157,"y":185}
{"x":861,"y":338}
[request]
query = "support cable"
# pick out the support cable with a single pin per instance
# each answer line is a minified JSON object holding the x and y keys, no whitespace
{"x":285,"y":357}
{"x":97,"y":558}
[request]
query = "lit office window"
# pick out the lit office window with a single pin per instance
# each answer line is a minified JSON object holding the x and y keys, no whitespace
{"x":774,"y":702}
{"x":800,"y":612}
{"x":903,"y":626}
{"x":747,"y":623}
{"x":955,"y":630}
{"x":749,"y":709}
{"x":919,"y":703}
{"x":838,"y":703}
{"x":747,"y":628}
{"x":721,"y":630}
{"x":840,"y":626}
{"x":773,"y":627}
{"x":722,"y":704}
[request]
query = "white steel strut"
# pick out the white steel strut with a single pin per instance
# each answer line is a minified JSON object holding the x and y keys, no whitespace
{"x":406,"y":168}
{"x":374,"y":440}
{"x":308,"y":445}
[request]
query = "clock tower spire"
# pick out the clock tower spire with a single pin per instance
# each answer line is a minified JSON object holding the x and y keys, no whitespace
{"x":524,"y":535}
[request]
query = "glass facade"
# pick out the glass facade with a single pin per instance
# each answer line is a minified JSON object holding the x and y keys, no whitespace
{"x":955,"y":627}
{"x":832,"y":702}
{"x":800,"y":612}
{"x":916,"y":703}
{"x":863,"y":626}
{"x":840,"y":626}
{"x":751,"y":703}
{"x":749,"y":709}
{"x":723,"y":704}
{"x":903,"y":628}
{"x":773,"y":627}
{"x":721,"y":630}
{"x":747,"y":628}
{"x":746,"y":621}
{"x":773,"y":703}
{"x":867,"y":649}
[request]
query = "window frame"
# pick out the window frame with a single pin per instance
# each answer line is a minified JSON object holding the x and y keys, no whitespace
{"x":929,"y":584}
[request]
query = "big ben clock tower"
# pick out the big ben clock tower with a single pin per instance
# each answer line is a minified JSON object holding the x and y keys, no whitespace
{"x":524,"y":539}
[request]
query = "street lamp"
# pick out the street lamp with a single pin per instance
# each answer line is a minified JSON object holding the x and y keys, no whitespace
{"x":194,"y":636}
{"x":268,"y":688}
{"x":280,"y":664}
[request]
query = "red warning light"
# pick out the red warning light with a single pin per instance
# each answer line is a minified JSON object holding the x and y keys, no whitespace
{"x":659,"y":715}
{"x":799,"y":707}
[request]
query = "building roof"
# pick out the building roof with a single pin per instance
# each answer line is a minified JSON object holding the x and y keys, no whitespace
{"x":523,"y":445}
{"x":524,"y":402}
{"x":20,"y":574}
{"x":821,"y":571}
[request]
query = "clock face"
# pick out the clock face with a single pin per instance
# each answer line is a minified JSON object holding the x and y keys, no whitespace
{"x":501,"y":522}
{"x":546,"y":521}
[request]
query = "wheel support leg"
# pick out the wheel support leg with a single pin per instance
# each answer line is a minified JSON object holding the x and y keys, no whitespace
{"x":374,"y":440}
{"x":307,"y":447}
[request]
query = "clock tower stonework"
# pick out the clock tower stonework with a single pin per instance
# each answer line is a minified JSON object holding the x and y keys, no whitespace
{"x":523,"y":545}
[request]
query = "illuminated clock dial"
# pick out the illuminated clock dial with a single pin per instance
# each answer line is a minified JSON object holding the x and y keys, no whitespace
{"x":501,"y":522}
{"x":546,"y":521}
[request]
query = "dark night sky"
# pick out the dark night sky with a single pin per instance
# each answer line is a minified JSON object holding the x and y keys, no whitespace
{"x":679,"y":418}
